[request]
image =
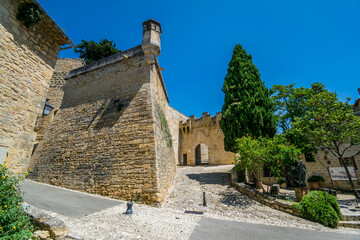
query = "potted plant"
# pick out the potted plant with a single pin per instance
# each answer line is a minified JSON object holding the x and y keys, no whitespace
{"x":282,"y":183}
{"x":314,"y":181}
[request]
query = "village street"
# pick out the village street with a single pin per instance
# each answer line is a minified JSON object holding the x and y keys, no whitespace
{"x":228,"y":215}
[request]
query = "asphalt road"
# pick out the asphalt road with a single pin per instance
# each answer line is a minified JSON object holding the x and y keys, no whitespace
{"x":76,"y":205}
{"x":68,"y":203}
{"x":215,"y":229}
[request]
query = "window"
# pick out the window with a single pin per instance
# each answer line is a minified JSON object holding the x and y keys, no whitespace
{"x":309,"y":157}
{"x":350,"y":162}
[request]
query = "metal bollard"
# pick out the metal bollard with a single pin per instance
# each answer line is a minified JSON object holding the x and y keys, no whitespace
{"x":129,"y":208}
{"x":204,"y":200}
{"x":130,"y":204}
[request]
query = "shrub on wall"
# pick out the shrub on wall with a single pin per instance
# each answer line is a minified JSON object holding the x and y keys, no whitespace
{"x":321,"y":207}
{"x":29,"y":14}
{"x":92,"y":51}
{"x":14,"y":222}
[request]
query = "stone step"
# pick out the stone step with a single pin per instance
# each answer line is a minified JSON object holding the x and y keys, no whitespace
{"x":351,"y":217}
{"x":350,"y":224}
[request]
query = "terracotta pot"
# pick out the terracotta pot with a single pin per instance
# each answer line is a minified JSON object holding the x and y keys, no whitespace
{"x":314,"y":185}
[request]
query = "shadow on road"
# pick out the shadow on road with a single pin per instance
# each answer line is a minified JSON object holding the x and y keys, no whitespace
{"x":219,"y":178}
{"x":229,"y":198}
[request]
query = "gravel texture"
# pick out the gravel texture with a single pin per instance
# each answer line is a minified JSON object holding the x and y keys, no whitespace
{"x":225,"y":202}
{"x":146,"y":223}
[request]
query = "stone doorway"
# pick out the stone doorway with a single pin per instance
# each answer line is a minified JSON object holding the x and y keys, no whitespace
{"x":184,"y":160}
{"x":201,"y":154}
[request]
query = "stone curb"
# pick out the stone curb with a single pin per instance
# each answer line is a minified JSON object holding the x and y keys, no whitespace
{"x":56,"y":227}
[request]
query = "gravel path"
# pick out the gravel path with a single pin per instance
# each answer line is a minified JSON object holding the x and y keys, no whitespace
{"x":224,"y":202}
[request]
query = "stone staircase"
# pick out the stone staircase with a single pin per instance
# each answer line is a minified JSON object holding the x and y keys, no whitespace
{"x":352,"y":221}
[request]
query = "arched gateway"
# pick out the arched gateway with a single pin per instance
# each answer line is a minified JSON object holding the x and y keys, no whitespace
{"x":202,"y":142}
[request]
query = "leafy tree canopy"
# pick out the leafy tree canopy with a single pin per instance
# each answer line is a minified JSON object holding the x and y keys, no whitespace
{"x":291,"y":103}
{"x":92,"y":51}
{"x":274,"y":153}
{"x":248,"y":108}
{"x":331,"y":124}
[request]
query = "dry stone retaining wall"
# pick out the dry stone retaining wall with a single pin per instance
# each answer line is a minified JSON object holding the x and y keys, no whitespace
{"x":264,"y":199}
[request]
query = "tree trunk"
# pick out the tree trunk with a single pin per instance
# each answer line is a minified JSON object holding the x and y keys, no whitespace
{"x":350,"y":179}
{"x":258,"y":179}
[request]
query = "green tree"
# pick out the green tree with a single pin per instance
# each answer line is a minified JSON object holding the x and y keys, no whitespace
{"x":250,"y":156}
{"x":331,"y":124}
{"x":256,"y":153}
{"x":248,"y":108}
{"x":92,"y":51}
{"x":279,"y":155}
{"x":290,"y":103}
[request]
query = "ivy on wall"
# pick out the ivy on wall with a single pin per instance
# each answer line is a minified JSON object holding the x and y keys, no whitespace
{"x":29,"y":14}
{"x":165,"y":126}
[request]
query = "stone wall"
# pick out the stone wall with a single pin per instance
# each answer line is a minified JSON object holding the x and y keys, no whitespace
{"x":26,"y":66}
{"x":205,"y":130}
{"x":174,"y":117}
{"x":56,"y":92}
{"x":324,"y":160}
{"x":111,"y":134}
{"x":165,"y":157}
{"x":102,"y":138}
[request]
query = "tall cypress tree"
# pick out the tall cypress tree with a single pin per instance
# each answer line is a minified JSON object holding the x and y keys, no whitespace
{"x":248,"y":108}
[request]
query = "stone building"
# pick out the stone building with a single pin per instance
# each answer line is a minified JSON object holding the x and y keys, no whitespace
{"x":202,"y":141}
{"x":27,"y":60}
{"x":114,"y":133}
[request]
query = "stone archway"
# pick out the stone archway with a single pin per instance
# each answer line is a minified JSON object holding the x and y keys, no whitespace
{"x":201,"y":154}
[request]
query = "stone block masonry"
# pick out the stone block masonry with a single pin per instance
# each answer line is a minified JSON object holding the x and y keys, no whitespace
{"x":56,"y":93}
{"x":27,"y":60}
{"x":205,"y":135}
{"x":110,"y":135}
{"x":324,"y":160}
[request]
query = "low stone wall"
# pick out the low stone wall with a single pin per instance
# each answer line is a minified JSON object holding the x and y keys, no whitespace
{"x":263,"y":198}
{"x":56,"y":228}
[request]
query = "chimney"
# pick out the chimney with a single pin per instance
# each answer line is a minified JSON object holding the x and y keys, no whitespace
{"x":151,"y":43}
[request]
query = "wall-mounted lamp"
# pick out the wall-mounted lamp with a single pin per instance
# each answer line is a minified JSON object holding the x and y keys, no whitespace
{"x":47,"y":108}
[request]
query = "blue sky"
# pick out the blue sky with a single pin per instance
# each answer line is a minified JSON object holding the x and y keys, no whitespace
{"x":297,"y":42}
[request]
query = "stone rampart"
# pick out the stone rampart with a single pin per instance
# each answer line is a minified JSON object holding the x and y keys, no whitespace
{"x":111,"y":134}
